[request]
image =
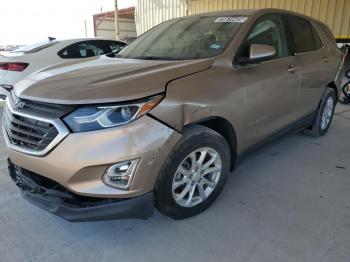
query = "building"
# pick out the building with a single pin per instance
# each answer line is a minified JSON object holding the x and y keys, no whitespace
{"x":104,"y":25}
{"x":335,"y":13}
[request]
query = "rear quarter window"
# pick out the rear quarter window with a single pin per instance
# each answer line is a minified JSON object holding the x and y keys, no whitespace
{"x":327,"y":32}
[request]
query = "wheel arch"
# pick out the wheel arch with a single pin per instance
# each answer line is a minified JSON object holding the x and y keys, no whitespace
{"x":334,"y":86}
{"x":225,"y":129}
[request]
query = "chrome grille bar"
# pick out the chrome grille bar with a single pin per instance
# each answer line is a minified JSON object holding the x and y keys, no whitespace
{"x":31,"y":133}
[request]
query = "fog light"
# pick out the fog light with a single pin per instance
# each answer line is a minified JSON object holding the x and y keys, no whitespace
{"x":120,"y":175}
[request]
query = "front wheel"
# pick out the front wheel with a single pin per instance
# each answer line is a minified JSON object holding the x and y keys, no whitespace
{"x":324,"y":115}
{"x":194,"y":174}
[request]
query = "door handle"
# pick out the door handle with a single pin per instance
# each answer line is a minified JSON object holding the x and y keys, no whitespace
{"x":325,"y":59}
{"x":292,"y":69}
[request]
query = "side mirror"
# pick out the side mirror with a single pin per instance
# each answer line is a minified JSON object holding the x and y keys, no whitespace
{"x":261,"y":52}
{"x":258,"y":53}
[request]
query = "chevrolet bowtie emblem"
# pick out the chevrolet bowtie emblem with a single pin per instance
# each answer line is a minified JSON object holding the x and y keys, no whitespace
{"x":19,"y":104}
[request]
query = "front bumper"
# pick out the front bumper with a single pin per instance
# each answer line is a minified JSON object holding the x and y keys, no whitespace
{"x":81,"y":159}
{"x":52,"y":197}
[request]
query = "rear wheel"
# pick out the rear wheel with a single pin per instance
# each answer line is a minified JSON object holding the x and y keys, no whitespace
{"x":194,"y":174}
{"x":324,"y":115}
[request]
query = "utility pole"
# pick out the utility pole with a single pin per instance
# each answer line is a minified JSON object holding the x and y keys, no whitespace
{"x":85,"y":28}
{"x":187,"y":13}
{"x":116,"y":22}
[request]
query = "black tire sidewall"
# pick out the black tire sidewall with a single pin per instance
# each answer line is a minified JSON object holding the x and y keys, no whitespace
{"x":192,"y":140}
{"x":329,"y":93}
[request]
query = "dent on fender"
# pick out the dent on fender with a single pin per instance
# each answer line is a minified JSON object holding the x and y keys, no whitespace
{"x":177,"y":115}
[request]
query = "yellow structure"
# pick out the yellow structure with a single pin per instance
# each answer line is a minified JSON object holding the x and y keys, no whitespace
{"x":335,"y":13}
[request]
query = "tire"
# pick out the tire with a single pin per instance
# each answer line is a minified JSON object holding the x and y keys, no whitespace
{"x":320,"y":128}
{"x":178,"y":168}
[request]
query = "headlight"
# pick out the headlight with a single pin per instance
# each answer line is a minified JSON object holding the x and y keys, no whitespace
{"x":88,"y":118}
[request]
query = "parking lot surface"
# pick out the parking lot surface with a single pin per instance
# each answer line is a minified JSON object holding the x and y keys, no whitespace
{"x":289,"y":203}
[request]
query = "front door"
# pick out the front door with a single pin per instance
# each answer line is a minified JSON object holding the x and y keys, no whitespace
{"x":271,"y":87}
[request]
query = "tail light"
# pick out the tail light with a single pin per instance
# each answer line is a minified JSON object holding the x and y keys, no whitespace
{"x":18,"y":67}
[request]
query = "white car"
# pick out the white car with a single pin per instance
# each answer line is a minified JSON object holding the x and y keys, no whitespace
{"x":17,"y":64}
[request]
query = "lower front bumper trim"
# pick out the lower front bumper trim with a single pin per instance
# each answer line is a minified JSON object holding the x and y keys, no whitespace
{"x":54,"y":198}
{"x":138,"y":207}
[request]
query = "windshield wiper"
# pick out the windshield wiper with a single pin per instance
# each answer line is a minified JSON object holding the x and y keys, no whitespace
{"x":148,"y":58}
{"x":154,"y":58}
{"x":130,"y":57}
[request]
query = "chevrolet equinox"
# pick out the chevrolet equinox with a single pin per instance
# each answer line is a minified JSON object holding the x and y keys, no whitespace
{"x":166,"y":120}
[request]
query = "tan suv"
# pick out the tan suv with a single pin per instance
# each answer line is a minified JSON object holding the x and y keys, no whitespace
{"x":165,"y":121}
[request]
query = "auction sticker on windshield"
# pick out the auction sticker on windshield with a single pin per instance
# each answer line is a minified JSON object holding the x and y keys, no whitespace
{"x":231,"y":19}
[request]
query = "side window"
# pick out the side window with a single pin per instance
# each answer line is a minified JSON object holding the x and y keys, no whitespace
{"x":71,"y":51}
{"x":269,"y":30}
{"x":83,"y":50}
{"x":115,"y":46}
{"x":304,"y":36}
{"x":317,"y":39}
{"x":88,"y":50}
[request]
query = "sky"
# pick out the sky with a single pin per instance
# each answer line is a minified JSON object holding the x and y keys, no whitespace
{"x":30,"y":21}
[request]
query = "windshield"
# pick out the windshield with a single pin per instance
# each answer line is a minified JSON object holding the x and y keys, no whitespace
{"x":185,"y":38}
{"x":35,"y":47}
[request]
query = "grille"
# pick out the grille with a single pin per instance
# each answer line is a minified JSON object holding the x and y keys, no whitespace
{"x":45,"y":109}
{"x":28,"y":133}
{"x":52,"y":110}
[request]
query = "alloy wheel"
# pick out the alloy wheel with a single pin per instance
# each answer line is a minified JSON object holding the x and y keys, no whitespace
{"x":327,"y":113}
{"x":196,"y":177}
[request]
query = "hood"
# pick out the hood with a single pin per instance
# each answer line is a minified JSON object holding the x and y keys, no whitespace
{"x":105,"y":79}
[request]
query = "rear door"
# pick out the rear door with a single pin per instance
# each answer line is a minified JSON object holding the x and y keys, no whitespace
{"x":312,"y":56}
{"x":271,"y":86}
